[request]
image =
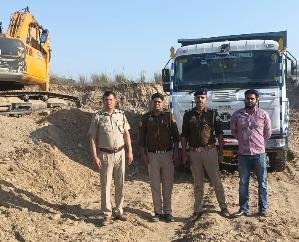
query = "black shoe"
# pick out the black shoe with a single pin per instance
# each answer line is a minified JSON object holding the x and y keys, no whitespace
{"x":263,"y":214}
{"x":168,"y":218}
{"x":225,"y":213}
{"x":195,"y":216}
{"x":121,"y":217}
{"x":157,"y":217}
{"x":240,"y":214}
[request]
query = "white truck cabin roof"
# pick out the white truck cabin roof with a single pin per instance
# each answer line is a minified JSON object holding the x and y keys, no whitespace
{"x":239,"y":45}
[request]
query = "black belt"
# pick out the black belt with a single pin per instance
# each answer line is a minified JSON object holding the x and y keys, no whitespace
{"x":113,"y":150}
{"x":159,"y":151}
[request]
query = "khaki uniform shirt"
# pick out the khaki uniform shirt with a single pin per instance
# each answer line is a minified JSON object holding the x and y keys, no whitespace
{"x":109,"y":130}
{"x":200,"y":128}
{"x":158,"y":132}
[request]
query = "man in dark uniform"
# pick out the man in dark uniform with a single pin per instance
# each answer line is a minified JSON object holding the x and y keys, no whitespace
{"x":200,"y":125}
{"x":158,"y":141}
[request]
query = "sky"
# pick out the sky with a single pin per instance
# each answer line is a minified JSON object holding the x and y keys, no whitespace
{"x":134,"y":37}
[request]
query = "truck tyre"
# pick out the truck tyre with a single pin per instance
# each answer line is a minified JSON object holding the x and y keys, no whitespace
{"x":278,"y":160}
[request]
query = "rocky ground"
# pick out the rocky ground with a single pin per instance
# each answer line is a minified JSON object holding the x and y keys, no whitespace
{"x":49,"y":190}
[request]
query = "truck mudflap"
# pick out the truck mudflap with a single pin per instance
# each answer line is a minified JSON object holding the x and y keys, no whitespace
{"x":26,"y":107}
{"x":278,"y":159}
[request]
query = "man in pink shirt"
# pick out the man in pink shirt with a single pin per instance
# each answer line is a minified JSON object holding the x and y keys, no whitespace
{"x":251,"y":126}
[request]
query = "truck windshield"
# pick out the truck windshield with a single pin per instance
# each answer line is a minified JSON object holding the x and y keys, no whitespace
{"x":238,"y":69}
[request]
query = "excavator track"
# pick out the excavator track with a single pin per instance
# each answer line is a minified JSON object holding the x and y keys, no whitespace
{"x":24,"y":106}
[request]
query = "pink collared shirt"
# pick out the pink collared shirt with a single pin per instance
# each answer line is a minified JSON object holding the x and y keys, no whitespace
{"x":251,"y":130}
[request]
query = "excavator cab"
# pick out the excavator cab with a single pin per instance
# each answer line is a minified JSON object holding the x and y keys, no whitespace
{"x":44,"y":36}
{"x":12,"y":63}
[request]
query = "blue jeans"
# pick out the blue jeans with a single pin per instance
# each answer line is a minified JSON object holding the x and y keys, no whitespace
{"x":246,"y":164}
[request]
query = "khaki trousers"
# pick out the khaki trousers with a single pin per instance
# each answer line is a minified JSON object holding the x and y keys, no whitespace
{"x":113,"y":165}
{"x":161,"y":170}
{"x":206,"y":160}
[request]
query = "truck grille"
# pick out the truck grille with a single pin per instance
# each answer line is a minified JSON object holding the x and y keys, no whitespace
{"x":224,"y":95}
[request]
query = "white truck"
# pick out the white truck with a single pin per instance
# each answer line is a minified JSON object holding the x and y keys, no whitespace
{"x":228,"y":66}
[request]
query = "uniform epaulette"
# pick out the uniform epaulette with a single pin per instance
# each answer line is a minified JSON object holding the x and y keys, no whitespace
{"x":168,"y":112}
{"x":100,"y":112}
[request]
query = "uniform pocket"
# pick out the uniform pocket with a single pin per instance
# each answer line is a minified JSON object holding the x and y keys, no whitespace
{"x":193,"y":123}
{"x":105,"y":126}
{"x":205,"y":134}
{"x":119,"y":124}
{"x":107,"y":129}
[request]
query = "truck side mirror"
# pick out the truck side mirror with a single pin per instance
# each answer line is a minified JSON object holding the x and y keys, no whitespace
{"x":293,"y":67}
{"x":166,"y":79}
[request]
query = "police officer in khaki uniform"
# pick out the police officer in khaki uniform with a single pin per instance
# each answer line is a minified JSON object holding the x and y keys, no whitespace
{"x":158,"y":140}
{"x":200,"y":125}
{"x":109,"y":136}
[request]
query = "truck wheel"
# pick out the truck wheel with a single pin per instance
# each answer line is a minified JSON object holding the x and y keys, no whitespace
{"x":278,"y":160}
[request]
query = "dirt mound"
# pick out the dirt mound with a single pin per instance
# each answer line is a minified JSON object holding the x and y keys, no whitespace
{"x":49,"y":190}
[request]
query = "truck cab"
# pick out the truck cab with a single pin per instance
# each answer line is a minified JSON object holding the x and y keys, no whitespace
{"x":228,"y":66}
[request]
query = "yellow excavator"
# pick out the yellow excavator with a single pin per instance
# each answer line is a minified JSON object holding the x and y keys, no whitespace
{"x":25,"y":55}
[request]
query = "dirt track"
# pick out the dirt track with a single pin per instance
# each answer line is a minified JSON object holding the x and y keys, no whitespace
{"x":49,"y":190}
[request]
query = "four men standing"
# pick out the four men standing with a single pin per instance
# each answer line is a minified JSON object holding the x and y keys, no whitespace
{"x":159,"y":140}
